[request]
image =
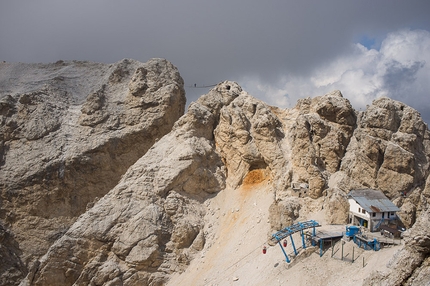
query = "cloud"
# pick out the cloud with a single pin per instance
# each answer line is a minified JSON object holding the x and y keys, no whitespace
{"x":277,"y":50}
{"x":400,"y":69}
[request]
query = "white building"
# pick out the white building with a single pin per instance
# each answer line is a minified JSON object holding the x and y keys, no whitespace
{"x":370,"y":208}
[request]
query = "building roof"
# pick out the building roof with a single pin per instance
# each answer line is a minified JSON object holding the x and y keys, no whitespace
{"x":373,"y":201}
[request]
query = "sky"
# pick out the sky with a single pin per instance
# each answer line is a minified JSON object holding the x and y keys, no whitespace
{"x":277,"y":50}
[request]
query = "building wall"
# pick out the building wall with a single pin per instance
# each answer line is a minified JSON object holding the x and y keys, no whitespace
{"x":356,"y":210}
{"x":387,"y":215}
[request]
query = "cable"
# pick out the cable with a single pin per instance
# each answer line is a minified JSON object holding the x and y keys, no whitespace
{"x":202,"y":86}
{"x":225,"y":270}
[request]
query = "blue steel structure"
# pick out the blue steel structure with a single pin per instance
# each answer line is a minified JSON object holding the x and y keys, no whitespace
{"x":353,"y":232}
{"x":367,"y":244}
{"x":290,"y":230}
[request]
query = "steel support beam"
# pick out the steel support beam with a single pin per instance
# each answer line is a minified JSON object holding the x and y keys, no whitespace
{"x":292,"y":243}
{"x":283,"y":250}
{"x":303,"y":239}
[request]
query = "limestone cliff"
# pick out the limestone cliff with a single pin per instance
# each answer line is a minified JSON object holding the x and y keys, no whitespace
{"x":151,"y":223}
{"x":152,"y":212}
{"x":69,"y":131}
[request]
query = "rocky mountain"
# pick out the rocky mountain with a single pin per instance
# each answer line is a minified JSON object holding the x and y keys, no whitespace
{"x":69,"y":131}
{"x":105,"y":180}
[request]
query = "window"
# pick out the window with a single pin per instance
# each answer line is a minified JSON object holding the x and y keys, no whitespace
{"x":383,"y":215}
{"x":373,"y":214}
{"x":363,"y":211}
{"x":392,"y":213}
{"x":359,"y":210}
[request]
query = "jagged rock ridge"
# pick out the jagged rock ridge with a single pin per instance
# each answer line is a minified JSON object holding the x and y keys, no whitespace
{"x":154,"y":221}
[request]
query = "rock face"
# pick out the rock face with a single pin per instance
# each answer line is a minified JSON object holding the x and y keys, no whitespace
{"x":142,"y":197}
{"x":319,"y":138}
{"x":151,"y":223}
{"x":249,"y":137}
{"x":390,"y":148}
{"x":68,"y":132}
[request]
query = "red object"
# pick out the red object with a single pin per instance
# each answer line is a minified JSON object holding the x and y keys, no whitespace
{"x":285,"y":243}
{"x":264,"y":250}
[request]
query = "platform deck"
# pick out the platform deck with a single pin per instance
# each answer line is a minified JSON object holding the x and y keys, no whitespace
{"x":326,"y":235}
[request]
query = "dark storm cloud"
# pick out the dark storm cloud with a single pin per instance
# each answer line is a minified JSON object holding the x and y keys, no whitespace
{"x":226,"y":36}
{"x":399,"y":82}
{"x":209,"y":41}
{"x":399,"y":76}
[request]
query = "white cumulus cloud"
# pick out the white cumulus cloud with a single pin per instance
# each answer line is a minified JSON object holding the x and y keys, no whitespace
{"x":400,"y":69}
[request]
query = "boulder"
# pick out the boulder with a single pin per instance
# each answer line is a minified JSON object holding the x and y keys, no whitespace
{"x":336,"y":207}
{"x":284,"y":213}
